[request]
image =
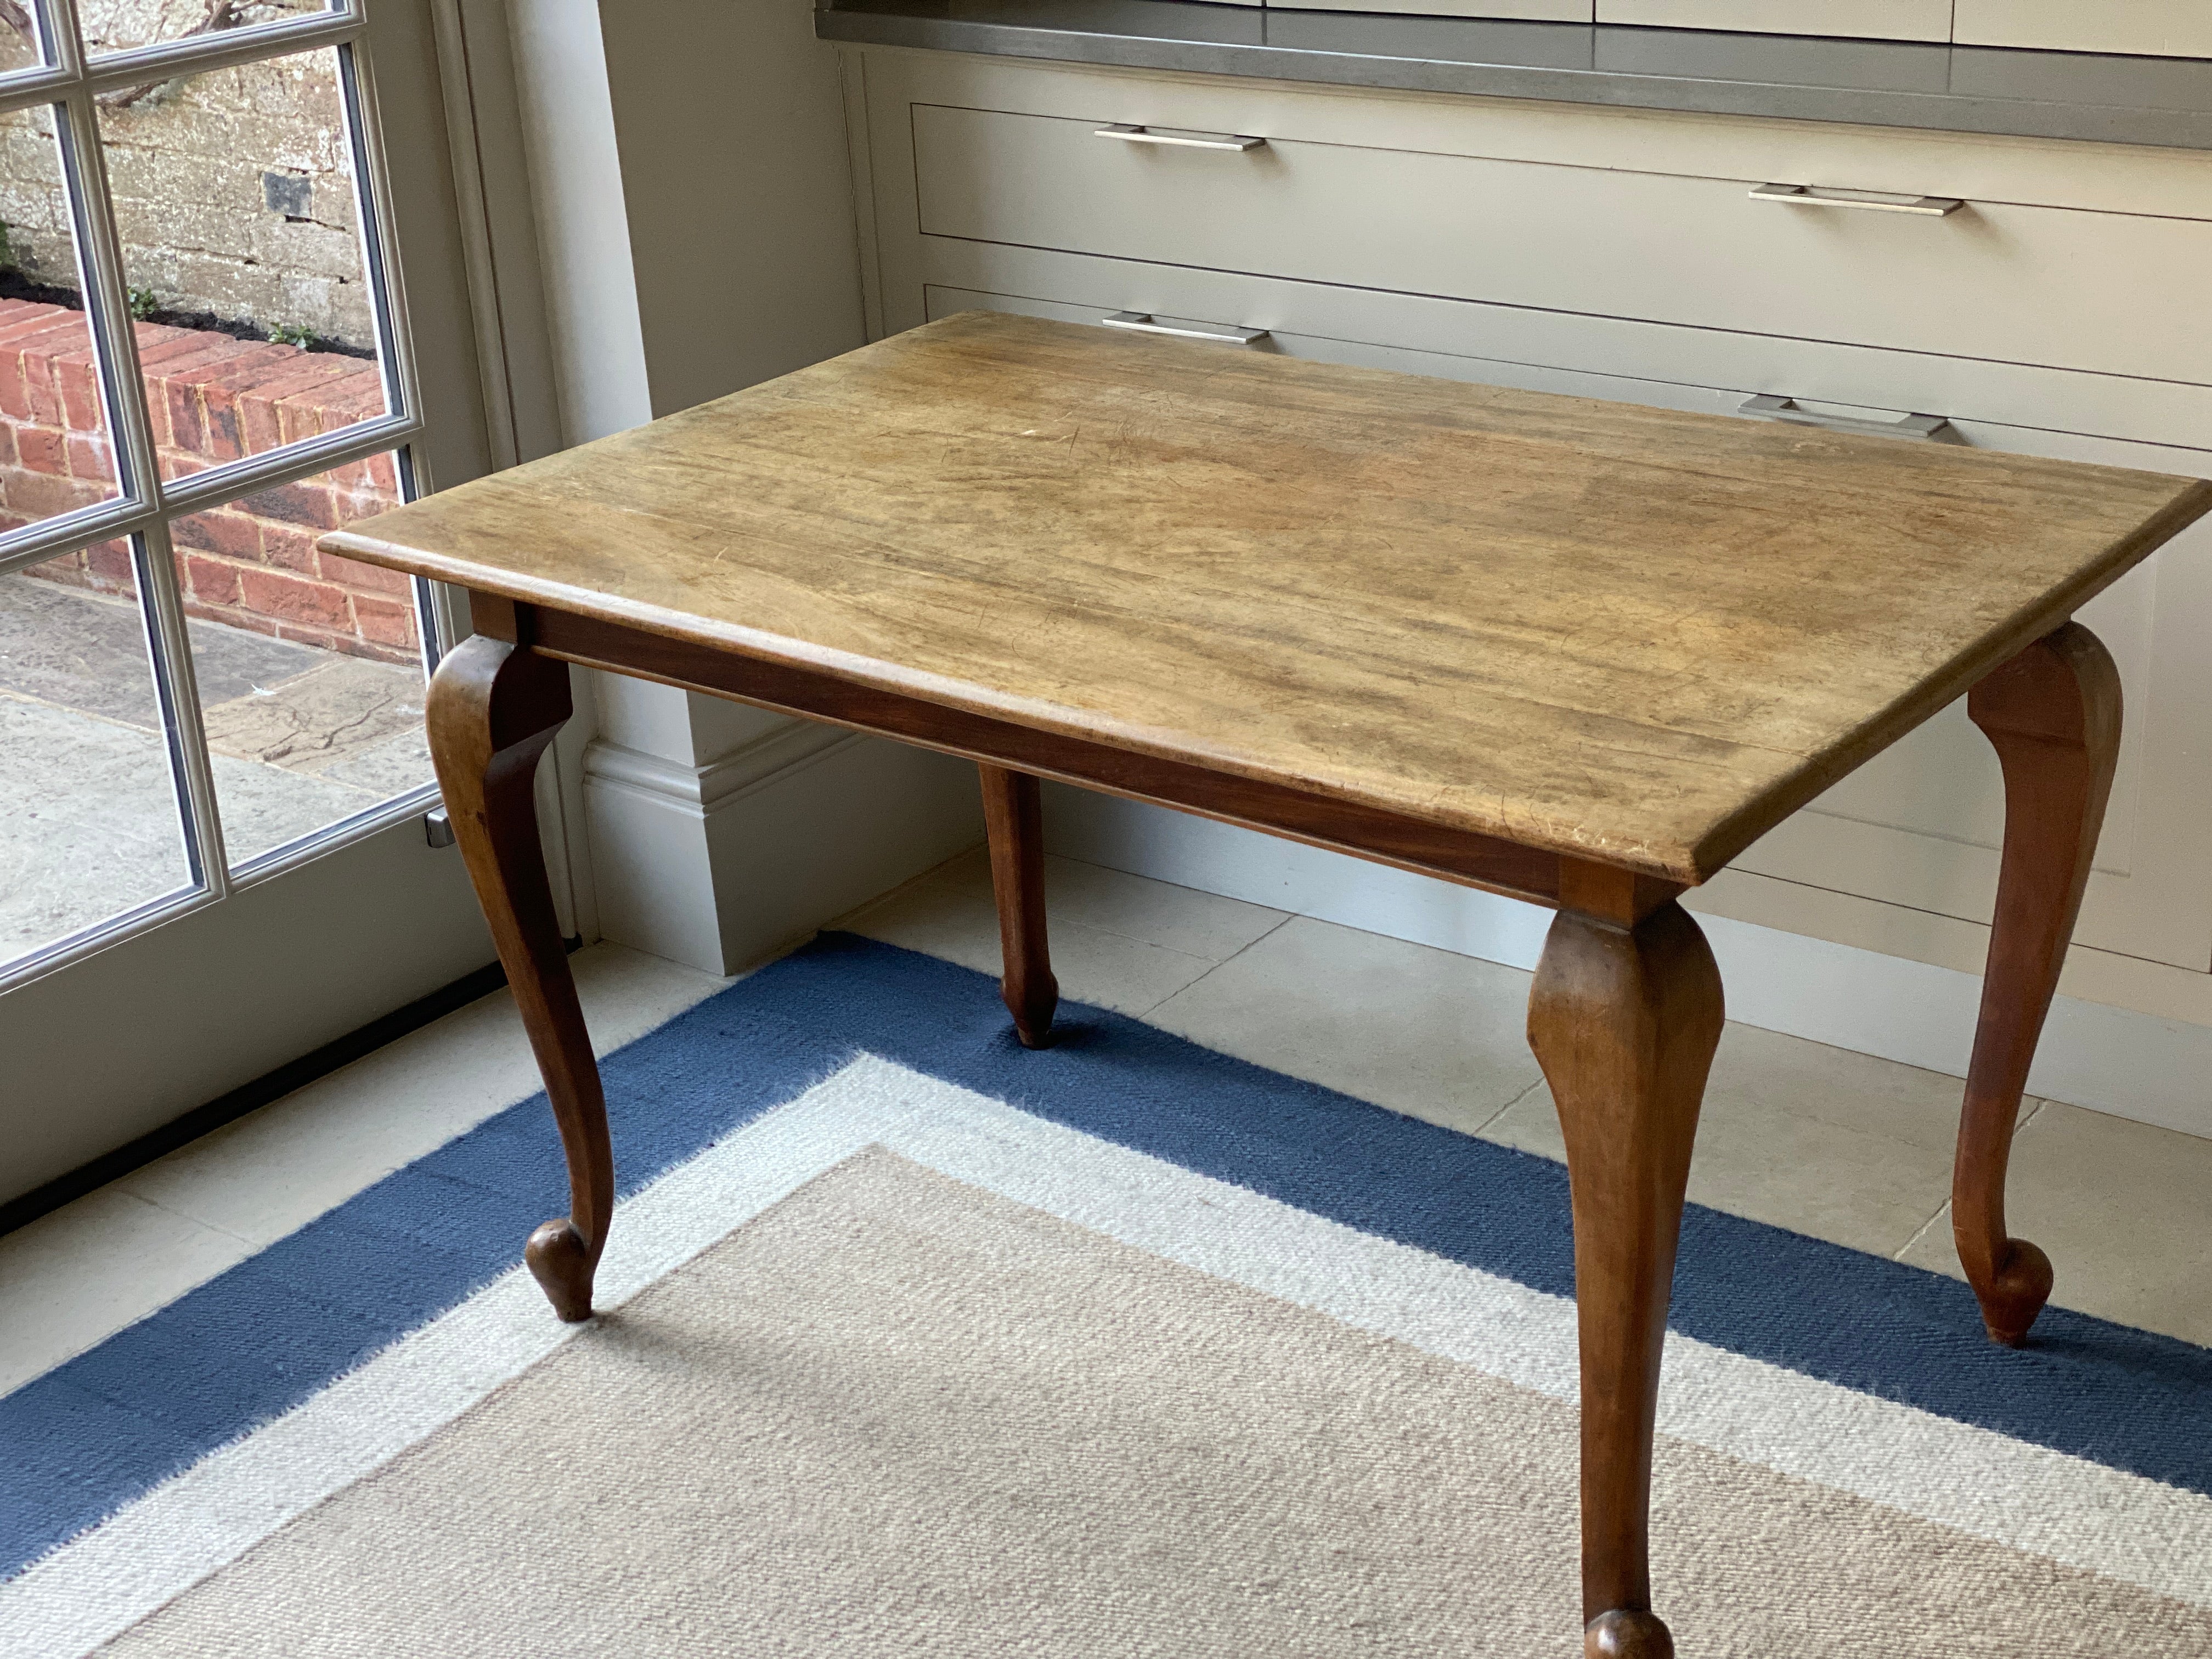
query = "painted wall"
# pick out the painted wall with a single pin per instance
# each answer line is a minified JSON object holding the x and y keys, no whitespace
{"x":732,"y":132}
{"x":687,"y":168}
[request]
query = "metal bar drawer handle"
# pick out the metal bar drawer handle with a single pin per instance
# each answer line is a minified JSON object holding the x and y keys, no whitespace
{"x":1180,"y":139}
{"x":1784,"y":409}
{"x":1930,"y":207}
{"x":1141,"y":322}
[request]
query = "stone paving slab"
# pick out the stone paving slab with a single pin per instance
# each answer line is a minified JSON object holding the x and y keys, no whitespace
{"x":300,"y":737}
{"x":83,"y":650}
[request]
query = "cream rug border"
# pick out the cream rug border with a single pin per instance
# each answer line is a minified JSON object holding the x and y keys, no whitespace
{"x":2030,"y":1497}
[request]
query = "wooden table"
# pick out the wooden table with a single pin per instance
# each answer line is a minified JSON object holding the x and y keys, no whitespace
{"x":1582,"y":653}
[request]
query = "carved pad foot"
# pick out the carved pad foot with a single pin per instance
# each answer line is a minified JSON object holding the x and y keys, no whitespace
{"x":2016,"y":1294}
{"x":561,"y":1264}
{"x":1618,"y":1635}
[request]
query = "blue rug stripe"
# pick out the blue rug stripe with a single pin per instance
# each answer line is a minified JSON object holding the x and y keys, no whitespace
{"x":269,"y":1333}
{"x":2123,"y":1397}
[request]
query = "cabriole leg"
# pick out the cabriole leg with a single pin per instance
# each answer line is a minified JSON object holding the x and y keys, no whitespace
{"x":493,"y":708}
{"x":1013,"y":815}
{"x":1624,"y":1020}
{"x":2053,"y":715}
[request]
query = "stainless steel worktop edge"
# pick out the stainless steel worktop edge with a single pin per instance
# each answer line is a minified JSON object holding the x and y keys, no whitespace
{"x":1386,"y":52}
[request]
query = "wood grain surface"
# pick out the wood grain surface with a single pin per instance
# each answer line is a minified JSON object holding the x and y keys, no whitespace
{"x":1623,"y":633}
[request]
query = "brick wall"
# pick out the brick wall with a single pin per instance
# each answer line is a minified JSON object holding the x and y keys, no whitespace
{"x":252,"y":563}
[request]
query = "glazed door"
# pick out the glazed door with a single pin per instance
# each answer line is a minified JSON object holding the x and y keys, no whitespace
{"x":233,"y":313}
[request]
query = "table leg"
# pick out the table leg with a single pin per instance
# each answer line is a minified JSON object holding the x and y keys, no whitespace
{"x":1624,"y":1020}
{"x":492,"y":708}
{"x":1014,"y":817}
{"x":2053,"y":714}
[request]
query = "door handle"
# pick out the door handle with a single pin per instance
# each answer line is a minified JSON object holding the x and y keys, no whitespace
{"x":1924,"y":427}
{"x":1178,"y":138}
{"x":1141,"y":322}
{"x":1868,"y":201}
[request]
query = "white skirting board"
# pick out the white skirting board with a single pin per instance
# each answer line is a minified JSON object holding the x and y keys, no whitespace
{"x":720,"y":865}
{"x":2110,"y":1060}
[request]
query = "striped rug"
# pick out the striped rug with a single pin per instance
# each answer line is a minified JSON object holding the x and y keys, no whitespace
{"x":918,"y":1343}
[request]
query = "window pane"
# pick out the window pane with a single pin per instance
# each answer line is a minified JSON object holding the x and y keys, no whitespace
{"x":331,"y":724}
{"x":55,"y":453}
{"x":88,"y":821}
{"x":235,"y":199}
{"x":20,"y":36}
{"x":120,"y":25}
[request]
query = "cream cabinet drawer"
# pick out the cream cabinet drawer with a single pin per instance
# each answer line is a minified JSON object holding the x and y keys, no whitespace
{"x":2157,"y":29}
{"x":1192,"y":320}
{"x":1881,"y":20}
{"x":1640,"y":360}
{"x":1922,"y":825}
{"x":2108,"y":293}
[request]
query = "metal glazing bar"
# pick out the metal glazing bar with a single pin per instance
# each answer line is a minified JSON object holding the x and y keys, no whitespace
{"x":1869,"y":201}
{"x":191,"y":54}
{"x":29,"y":88}
{"x":434,"y":602}
{"x":105,"y":284}
{"x":142,"y":514}
{"x":380,"y":257}
{"x":1138,"y":322}
{"x":100,"y":257}
{"x":67,"y":531}
{"x":63,"y":60}
{"x":176,"y":682}
{"x":1924,"y":427}
{"x":213,"y":487}
{"x":222,"y":483}
{"x":63,"y":46}
{"x":1178,"y":138}
{"x":76,"y":946}
{"x":169,"y":60}
{"x":316,"y":842}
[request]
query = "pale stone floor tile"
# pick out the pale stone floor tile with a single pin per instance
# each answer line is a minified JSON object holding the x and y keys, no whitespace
{"x":1153,"y":912}
{"x":2120,"y":1209}
{"x":388,"y":769}
{"x":274,"y":1170}
{"x":263,"y":807}
{"x":1835,"y":1145}
{"x":71,"y":1279}
{"x":1422,"y":1031}
{"x":1105,"y":929}
{"x":302,"y":738}
{"x":341,"y":708}
{"x":87,"y":651}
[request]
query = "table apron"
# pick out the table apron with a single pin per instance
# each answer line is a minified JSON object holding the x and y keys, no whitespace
{"x":1532,"y":874}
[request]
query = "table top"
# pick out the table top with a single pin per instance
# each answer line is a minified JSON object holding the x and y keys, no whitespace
{"x":1628,"y":633}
